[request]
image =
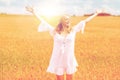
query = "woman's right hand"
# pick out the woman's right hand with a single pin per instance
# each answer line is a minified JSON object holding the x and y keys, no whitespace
{"x":29,"y":9}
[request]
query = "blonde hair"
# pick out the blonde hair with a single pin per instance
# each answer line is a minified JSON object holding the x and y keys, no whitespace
{"x":59,"y":27}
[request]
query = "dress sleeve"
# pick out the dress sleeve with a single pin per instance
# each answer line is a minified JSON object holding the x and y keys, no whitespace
{"x":43,"y":26}
{"x":80,"y":27}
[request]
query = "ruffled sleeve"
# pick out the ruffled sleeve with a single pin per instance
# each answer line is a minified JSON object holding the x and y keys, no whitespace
{"x":43,"y":26}
{"x":80,"y":27}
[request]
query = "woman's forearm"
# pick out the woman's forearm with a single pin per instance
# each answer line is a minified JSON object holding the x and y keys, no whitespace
{"x":34,"y":12}
{"x":37,"y":15}
{"x":91,"y":17}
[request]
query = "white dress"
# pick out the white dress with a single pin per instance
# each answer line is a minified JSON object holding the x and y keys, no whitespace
{"x":62,"y":59}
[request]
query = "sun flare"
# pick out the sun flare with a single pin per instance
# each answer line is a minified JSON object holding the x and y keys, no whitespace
{"x":50,"y":11}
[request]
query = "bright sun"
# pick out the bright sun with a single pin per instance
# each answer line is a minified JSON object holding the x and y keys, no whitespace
{"x":50,"y":11}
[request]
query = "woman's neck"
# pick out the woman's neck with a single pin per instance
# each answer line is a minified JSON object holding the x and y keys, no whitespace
{"x":64,"y":32}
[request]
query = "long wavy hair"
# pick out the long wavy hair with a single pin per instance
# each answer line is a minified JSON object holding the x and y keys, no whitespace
{"x":59,"y":28}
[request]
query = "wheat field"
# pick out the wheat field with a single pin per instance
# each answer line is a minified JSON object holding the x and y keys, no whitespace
{"x":25,"y":53}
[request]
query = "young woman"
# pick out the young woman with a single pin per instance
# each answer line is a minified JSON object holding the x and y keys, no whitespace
{"x":62,"y":60}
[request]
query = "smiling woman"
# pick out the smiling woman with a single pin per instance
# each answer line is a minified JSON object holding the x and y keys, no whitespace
{"x":62,"y":60}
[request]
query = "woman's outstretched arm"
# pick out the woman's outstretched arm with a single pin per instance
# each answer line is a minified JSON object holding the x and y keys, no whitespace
{"x":94,"y":15}
{"x":44,"y":26}
{"x":81,"y":25}
{"x":31,"y":10}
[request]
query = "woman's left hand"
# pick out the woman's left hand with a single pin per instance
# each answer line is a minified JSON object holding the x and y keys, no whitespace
{"x":29,"y":9}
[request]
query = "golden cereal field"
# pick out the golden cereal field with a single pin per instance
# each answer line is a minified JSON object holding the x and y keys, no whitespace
{"x":25,"y":53}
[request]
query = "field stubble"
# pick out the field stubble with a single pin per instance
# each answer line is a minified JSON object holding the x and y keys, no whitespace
{"x":25,"y":53}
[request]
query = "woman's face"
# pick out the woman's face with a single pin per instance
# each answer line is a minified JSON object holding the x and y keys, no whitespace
{"x":65,"y":20}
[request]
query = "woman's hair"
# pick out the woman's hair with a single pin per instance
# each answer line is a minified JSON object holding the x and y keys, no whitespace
{"x":59,"y":28}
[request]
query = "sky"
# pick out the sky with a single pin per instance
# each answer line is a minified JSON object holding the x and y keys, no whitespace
{"x":56,"y":7}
